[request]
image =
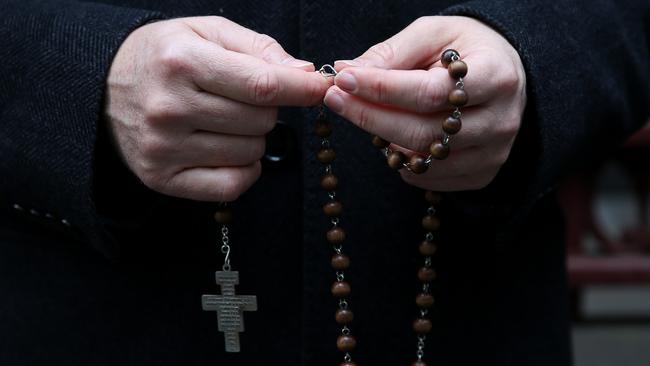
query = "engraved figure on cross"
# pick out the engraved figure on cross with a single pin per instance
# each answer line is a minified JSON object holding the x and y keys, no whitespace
{"x":229,"y":308}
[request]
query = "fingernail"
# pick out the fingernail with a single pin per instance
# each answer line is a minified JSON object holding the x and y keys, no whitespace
{"x":346,"y":81}
{"x":293,"y":62}
{"x":334,"y":101}
{"x":346,"y":63}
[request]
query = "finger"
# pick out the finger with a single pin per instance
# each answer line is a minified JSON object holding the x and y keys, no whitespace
{"x":217,"y":114}
{"x":254,"y":81}
{"x":422,"y":91}
{"x":464,"y":169}
{"x":411,"y":48}
{"x":235,"y":37}
{"x":212,"y":184}
{"x":411,"y":130}
{"x":210,"y":149}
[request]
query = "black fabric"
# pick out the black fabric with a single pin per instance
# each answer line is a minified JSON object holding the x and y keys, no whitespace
{"x":119,"y":281}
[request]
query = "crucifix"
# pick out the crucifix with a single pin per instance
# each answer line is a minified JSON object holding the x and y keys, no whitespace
{"x":229,"y":308}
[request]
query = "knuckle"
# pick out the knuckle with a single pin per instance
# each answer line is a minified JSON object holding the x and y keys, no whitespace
{"x":153,"y":179}
{"x":264,"y":87}
{"x":364,"y":118}
{"x":152,"y":149}
{"x":159,"y":108}
{"x":429,"y":96}
{"x":508,"y":81}
{"x":379,"y":89}
{"x":384,"y":50}
{"x":315,"y":92}
{"x":231,"y":188}
{"x":419,"y":137}
{"x":172,"y":59}
{"x":263,"y":43}
{"x":257,"y":149}
{"x":268,"y":120}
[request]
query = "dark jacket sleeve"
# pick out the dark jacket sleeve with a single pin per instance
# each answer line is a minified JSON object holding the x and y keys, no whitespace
{"x":54,"y":59}
{"x":587,"y":69}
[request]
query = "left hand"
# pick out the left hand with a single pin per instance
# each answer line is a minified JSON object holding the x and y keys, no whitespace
{"x":398,"y":90}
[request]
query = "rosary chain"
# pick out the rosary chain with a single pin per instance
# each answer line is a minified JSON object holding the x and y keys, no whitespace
{"x":335,"y":235}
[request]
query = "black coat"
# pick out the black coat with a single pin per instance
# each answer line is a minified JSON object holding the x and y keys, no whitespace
{"x":95,"y":269}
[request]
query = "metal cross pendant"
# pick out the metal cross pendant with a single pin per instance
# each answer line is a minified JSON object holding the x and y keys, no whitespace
{"x":229,"y":308}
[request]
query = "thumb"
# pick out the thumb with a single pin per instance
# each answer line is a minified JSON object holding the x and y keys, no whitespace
{"x":237,"y":38}
{"x":416,"y":46}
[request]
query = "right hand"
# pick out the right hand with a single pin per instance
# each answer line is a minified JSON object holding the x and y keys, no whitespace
{"x":189,"y":101}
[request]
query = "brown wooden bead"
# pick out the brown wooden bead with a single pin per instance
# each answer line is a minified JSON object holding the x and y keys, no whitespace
{"x":452,"y":125}
{"x":432,"y":197}
{"x":344,"y":316}
{"x":340,"y":262}
{"x":395,"y":159}
{"x":419,"y":363}
{"x":323,"y":128}
{"x":458,"y":97}
{"x":348,"y":363}
{"x":430,"y":223}
{"x":418,"y":164}
{"x":422,"y":326}
{"x":447,"y":57}
{"x":333,"y":209}
{"x":439,"y":150}
{"x":223,"y":216}
{"x":329,"y":182}
{"x":336,"y":235}
{"x":380,"y":143}
{"x":346,"y":343}
{"x":340,"y":289}
{"x":426,"y":274}
{"x":326,"y":155}
{"x":427,"y":248}
{"x":457,"y":69}
{"x":424,"y":301}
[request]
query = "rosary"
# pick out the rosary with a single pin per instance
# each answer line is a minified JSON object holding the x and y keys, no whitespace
{"x":230,"y":307}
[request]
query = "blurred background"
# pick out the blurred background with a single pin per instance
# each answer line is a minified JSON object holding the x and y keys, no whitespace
{"x":607,"y":210}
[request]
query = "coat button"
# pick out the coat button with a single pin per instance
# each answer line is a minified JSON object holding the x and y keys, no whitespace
{"x":280,"y":143}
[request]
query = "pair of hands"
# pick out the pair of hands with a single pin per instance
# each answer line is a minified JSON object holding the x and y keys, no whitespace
{"x":190,"y":100}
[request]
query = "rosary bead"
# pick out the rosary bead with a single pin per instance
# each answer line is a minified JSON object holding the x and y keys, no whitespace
{"x":418,"y":164}
{"x":457,"y":69}
{"x":341,"y":289}
{"x":439,"y":150}
{"x":329,"y":182}
{"x":424,"y":300}
{"x":452,"y":125}
{"x":419,"y":363}
{"x":346,"y":343}
{"x":344,"y":316}
{"x":426,"y":274}
{"x":395,"y":159}
{"x":430,"y":223}
{"x":432,"y":197}
{"x":340,"y":262}
{"x":427,"y":248}
{"x":333,"y":209}
{"x":422,"y":326}
{"x":379,"y":142}
{"x":447,"y":56}
{"x":458,"y":97}
{"x":336,"y":235}
{"x":326,"y":155}
{"x":323,"y":128}
{"x":223,"y":216}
